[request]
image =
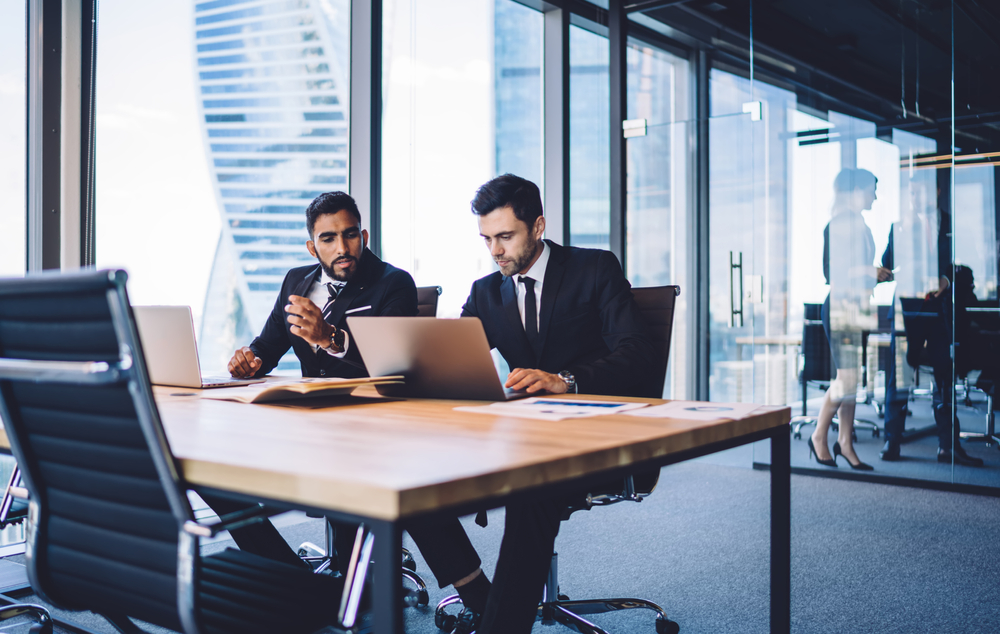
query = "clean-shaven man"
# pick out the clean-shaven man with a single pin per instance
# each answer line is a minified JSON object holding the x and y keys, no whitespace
{"x":565,"y":320}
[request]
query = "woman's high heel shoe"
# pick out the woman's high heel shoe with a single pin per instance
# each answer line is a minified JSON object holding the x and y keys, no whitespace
{"x":859,"y":467}
{"x":813,"y":454}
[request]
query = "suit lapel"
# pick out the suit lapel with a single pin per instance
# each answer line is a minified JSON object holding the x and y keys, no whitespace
{"x":550,"y":291}
{"x":520,"y":339}
{"x":302,"y":288}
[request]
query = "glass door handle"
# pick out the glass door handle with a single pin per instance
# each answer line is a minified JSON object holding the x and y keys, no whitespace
{"x":734,"y":266}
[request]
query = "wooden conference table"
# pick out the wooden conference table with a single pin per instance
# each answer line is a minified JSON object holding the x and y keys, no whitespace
{"x":390,"y":462}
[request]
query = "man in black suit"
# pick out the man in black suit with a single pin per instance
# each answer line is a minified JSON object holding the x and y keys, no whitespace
{"x":310,"y":313}
{"x":309,"y":316}
{"x":565,"y":320}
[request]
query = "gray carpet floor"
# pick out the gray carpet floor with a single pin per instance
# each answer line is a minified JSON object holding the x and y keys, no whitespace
{"x":865,"y":557}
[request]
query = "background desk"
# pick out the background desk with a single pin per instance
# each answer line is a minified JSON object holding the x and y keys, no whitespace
{"x":389,"y":462}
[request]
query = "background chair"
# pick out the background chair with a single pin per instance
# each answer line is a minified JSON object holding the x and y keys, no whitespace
{"x":427,"y":300}
{"x":110,"y":528}
{"x":656,"y":304}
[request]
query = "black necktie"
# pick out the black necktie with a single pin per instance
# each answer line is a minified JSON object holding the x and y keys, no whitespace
{"x":334,"y":291}
{"x":530,"y":312}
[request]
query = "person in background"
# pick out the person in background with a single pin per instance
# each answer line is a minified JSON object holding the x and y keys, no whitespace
{"x":848,"y":265}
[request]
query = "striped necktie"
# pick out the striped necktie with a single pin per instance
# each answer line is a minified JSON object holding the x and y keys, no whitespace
{"x":328,"y":308}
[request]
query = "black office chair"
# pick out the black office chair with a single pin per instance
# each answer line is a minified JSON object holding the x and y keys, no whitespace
{"x":427,"y":300}
{"x":110,"y":528}
{"x":656,"y":304}
{"x":817,"y":370}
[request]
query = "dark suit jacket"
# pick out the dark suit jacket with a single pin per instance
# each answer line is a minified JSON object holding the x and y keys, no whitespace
{"x":388,"y":290}
{"x":589,"y":323}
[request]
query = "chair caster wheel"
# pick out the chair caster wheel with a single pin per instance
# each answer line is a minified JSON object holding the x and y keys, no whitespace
{"x":562,"y":597}
{"x":423,"y":598}
{"x":797,"y":435}
{"x":442,"y":619}
{"x":408,"y":561}
{"x":666,"y":626}
{"x":854,"y":436}
{"x":876,"y":433}
{"x":445,"y":622}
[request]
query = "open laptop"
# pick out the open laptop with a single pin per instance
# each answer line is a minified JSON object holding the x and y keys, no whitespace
{"x":167,"y":335}
{"x":440,"y":358}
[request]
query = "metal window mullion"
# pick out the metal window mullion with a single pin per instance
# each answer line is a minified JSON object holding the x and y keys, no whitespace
{"x":556,"y":124}
{"x":44,"y":76}
{"x":617,"y":39}
{"x":700,"y":358}
{"x":365,"y":116}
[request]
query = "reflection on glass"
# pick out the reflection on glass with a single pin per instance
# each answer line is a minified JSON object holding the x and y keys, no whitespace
{"x":12,"y":139}
{"x":657,"y":186}
{"x":848,"y":256}
{"x":969,"y":174}
{"x":589,"y":134}
{"x":450,"y":123}
{"x":217,"y":114}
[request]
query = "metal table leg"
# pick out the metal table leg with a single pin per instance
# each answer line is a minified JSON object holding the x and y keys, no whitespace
{"x":781,"y":531}
{"x":387,"y":604}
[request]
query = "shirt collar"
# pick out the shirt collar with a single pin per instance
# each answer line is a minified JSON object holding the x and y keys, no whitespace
{"x":537,"y":270}
{"x":325,"y":279}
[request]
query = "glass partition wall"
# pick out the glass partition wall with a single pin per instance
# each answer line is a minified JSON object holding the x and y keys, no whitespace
{"x":853,"y":233}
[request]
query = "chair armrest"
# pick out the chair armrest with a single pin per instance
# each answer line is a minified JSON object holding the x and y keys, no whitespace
{"x":229,"y":521}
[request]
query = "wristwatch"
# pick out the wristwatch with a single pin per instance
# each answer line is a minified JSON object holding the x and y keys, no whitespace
{"x":337,"y":340}
{"x":569,"y":380}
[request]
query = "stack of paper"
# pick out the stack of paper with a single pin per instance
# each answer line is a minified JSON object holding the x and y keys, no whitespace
{"x":698,"y":410}
{"x":552,"y":408}
{"x":296,"y":388}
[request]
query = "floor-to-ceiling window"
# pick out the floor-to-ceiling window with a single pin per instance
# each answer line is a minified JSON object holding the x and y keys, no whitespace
{"x":589,"y":138}
{"x":461,"y":105}
{"x":12,"y":138}
{"x":13,"y":217}
{"x":217,"y":123}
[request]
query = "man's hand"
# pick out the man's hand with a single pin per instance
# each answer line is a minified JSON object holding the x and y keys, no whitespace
{"x":244,"y":363}
{"x":883,"y":274}
{"x":535,"y":381}
{"x":307,"y":321}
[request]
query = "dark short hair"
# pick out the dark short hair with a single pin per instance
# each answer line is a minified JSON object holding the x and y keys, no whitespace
{"x":851,"y":178}
{"x":330,"y":203}
{"x":508,"y":190}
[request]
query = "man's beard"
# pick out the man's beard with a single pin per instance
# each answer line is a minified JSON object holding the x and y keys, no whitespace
{"x":520,"y":262}
{"x":341,"y":275}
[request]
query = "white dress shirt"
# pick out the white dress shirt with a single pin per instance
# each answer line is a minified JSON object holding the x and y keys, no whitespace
{"x":319,"y":294}
{"x":537,"y":273}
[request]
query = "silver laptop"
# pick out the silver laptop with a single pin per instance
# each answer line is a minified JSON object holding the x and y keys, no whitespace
{"x":167,"y":335}
{"x":440,"y":358}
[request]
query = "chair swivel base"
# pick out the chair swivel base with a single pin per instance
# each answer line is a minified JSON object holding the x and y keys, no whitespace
{"x":43,"y":620}
{"x":569,"y":613}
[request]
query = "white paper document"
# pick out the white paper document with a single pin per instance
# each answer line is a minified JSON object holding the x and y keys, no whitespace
{"x":697,"y":410}
{"x":542,"y":408}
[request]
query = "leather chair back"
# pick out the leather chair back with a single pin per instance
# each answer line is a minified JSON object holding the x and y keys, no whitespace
{"x":103,"y":529}
{"x":656,"y":303}
{"x":427,"y":300}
